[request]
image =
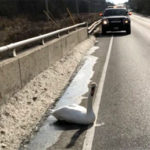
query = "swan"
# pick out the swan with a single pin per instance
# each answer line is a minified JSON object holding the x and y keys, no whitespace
{"x":75,"y":113}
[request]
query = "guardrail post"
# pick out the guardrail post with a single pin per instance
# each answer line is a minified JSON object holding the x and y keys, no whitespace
{"x":87,"y":24}
{"x":43,"y":42}
{"x":14,"y":53}
{"x":58,"y":35}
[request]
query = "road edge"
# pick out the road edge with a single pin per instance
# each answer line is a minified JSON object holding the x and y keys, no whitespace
{"x":87,"y":145}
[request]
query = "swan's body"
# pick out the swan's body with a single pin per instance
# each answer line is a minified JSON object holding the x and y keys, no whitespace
{"x":75,"y":113}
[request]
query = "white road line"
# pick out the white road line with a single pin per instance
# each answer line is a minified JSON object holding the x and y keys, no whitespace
{"x":90,"y":133}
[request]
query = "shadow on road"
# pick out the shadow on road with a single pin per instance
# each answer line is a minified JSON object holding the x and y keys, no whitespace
{"x":76,"y":136}
{"x":79,"y":130}
{"x":63,"y":125}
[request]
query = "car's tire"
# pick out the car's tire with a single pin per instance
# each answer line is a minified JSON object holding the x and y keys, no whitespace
{"x":128,"y":30}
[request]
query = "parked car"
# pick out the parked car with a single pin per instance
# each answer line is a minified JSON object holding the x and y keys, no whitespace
{"x":116,"y":19}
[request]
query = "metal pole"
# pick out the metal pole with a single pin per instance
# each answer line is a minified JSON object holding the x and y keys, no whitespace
{"x":90,"y":6}
{"x":46,"y":6}
{"x":77,"y":7}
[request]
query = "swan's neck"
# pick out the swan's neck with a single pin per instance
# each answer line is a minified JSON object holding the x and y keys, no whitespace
{"x":90,"y":104}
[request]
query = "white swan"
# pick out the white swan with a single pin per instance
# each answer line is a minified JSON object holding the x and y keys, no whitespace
{"x":75,"y":113}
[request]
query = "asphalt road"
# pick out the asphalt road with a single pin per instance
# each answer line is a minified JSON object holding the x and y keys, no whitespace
{"x":124,"y":114}
{"x":123,"y":120}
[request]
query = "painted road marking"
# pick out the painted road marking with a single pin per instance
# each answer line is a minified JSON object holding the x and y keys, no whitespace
{"x":100,"y":124}
{"x":90,"y":133}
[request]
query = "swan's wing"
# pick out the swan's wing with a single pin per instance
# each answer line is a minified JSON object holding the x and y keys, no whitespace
{"x":71,"y":114}
{"x":70,"y":109}
{"x":77,"y":107}
{"x":73,"y":105}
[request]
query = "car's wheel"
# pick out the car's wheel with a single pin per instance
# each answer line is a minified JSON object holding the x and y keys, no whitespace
{"x":128,"y":30}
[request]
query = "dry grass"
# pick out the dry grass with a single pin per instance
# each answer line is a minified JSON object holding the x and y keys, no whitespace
{"x":23,"y":27}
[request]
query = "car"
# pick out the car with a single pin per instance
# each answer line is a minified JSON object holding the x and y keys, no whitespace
{"x":116,"y":19}
{"x":110,"y":7}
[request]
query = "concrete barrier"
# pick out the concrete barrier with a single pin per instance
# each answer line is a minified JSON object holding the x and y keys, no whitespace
{"x":82,"y":35}
{"x":10,"y":80}
{"x":17,"y":72}
{"x":55,"y":51}
{"x":32,"y":63}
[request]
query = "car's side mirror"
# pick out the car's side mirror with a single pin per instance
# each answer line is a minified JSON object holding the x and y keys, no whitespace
{"x":101,"y":14}
{"x":129,"y":13}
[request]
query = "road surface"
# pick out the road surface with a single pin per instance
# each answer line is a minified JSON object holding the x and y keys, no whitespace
{"x":123,"y":119}
{"x":124,"y":113}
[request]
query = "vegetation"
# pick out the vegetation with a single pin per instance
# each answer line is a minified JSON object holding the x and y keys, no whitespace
{"x":22,"y":19}
{"x":11,"y":8}
{"x":109,"y":4}
{"x":141,"y":6}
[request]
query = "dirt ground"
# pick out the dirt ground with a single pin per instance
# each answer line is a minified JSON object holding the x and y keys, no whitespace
{"x":25,"y":109}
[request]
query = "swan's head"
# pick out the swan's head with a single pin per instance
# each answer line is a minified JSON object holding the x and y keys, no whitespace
{"x":93,"y":86}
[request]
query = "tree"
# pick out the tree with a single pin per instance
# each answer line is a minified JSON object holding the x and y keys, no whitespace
{"x":57,"y":7}
{"x":141,"y":6}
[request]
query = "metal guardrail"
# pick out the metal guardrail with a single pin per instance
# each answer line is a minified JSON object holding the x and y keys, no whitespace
{"x":94,"y":26}
{"x":16,"y":45}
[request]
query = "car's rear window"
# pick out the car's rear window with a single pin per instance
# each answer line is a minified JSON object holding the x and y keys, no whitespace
{"x":115,"y":12}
